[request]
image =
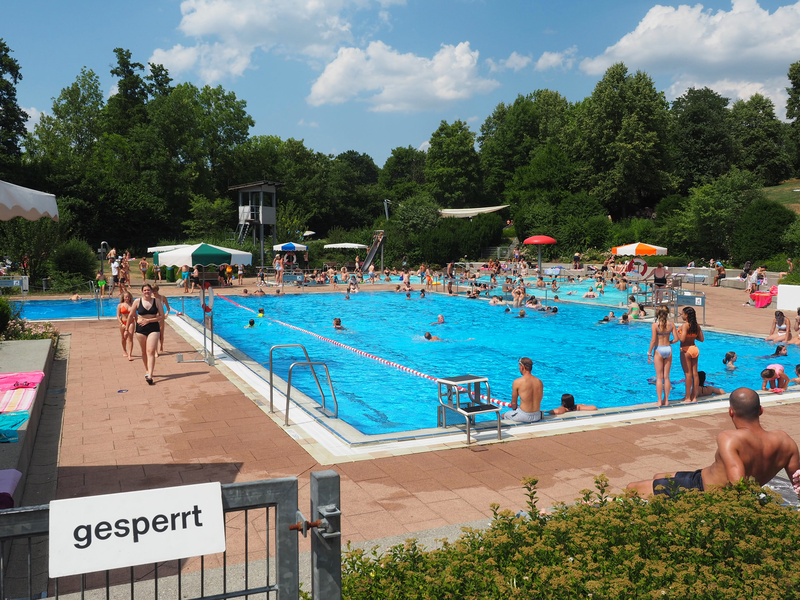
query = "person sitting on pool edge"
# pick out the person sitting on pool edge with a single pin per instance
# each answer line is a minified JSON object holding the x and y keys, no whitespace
{"x":568,"y":405}
{"x":747,"y":451}
{"x":526,"y":395}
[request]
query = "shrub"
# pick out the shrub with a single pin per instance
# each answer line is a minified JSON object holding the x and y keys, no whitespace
{"x":21,"y":329}
{"x":760,"y":231}
{"x":734,"y":542}
{"x":75,"y":257}
{"x":6,"y":312}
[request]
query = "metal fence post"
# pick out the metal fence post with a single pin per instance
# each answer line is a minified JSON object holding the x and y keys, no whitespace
{"x":326,"y":540}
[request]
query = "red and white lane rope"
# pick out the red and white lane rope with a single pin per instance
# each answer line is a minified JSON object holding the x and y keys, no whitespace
{"x":362,"y":353}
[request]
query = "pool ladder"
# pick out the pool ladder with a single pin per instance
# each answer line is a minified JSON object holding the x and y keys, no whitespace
{"x":308,"y":363}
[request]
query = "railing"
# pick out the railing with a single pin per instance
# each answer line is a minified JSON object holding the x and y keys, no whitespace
{"x":307,"y":363}
{"x":23,"y":553}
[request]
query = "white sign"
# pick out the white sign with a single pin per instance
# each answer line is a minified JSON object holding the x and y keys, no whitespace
{"x":122,"y":530}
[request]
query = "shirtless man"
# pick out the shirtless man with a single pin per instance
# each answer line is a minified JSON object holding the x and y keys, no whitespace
{"x":747,"y":451}
{"x":527,"y":393}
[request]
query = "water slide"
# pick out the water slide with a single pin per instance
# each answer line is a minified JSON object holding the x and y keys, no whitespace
{"x":377,"y":243}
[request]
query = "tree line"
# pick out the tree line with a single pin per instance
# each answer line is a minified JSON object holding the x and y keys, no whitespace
{"x":154,"y":162}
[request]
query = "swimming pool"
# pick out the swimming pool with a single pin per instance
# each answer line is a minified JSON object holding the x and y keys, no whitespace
{"x":601,"y":364}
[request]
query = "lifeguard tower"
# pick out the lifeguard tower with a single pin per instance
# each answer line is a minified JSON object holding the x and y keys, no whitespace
{"x":257,"y":207}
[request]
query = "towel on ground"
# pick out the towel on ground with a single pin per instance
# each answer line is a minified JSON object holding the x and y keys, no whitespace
{"x":9,"y":423}
{"x":10,"y":381}
{"x":18,"y":399}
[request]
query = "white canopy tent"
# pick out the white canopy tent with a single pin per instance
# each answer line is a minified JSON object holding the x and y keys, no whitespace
{"x":347,"y":246}
{"x":466,"y":213}
{"x":152,"y":249}
{"x":17,"y":201}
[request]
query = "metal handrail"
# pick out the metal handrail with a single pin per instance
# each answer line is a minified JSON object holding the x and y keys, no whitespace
{"x":308,"y":360}
{"x":325,"y":411}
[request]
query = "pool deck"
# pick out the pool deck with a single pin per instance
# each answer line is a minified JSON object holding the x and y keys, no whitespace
{"x":202,"y":423}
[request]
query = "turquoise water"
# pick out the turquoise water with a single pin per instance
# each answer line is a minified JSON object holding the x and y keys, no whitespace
{"x":601,"y":364}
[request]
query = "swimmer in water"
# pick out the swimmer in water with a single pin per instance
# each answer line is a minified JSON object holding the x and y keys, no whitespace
{"x":252,"y":323}
{"x":432,"y":338}
{"x":439,"y":320}
{"x":337,"y":324}
{"x":780,"y":350}
{"x":260,"y":312}
{"x":521,"y":314}
{"x":730,"y":360}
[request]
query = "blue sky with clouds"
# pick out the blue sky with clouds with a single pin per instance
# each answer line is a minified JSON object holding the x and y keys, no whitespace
{"x":371,"y":75}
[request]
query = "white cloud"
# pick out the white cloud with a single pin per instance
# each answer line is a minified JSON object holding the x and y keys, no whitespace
{"x":556,"y":60}
{"x":34,"y":114}
{"x":515,"y":61}
{"x":302,"y":123}
{"x":401,"y":82}
{"x":423,"y":147}
{"x":226,"y":33}
{"x":743,"y":49}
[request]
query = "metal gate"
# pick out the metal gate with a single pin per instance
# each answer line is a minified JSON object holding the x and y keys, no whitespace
{"x":261,"y":559}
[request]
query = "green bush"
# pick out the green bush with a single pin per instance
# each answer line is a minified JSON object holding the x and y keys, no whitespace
{"x":75,"y":257}
{"x":734,"y":542}
{"x":21,"y":329}
{"x":69,"y":283}
{"x":6,"y":312}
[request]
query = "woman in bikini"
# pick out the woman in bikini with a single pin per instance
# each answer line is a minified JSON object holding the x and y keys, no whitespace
{"x":781,"y":330}
{"x":660,"y":352}
{"x":688,"y":334}
{"x":123,"y":310}
{"x":147,"y":313}
{"x":143,"y":266}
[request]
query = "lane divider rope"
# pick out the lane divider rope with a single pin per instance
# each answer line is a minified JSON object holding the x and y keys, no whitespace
{"x":362,"y":353}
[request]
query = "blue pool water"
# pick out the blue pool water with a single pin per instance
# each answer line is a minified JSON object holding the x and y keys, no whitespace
{"x":605,"y":365}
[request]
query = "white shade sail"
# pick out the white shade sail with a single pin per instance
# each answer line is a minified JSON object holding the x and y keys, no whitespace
{"x":347,"y":245}
{"x":17,"y":201}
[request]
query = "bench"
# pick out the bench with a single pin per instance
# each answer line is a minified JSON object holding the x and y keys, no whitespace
{"x":450,"y":392}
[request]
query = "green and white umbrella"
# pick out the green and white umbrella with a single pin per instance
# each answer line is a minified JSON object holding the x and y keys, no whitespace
{"x":202,"y":254}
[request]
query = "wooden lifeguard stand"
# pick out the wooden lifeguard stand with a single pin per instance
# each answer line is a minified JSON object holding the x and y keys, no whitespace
{"x":257,"y":207}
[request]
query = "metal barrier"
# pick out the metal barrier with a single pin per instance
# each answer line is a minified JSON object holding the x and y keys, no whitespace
{"x":23,"y":557}
{"x":307,"y":363}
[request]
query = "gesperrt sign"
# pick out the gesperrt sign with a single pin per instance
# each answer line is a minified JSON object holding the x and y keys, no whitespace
{"x":123,"y":530}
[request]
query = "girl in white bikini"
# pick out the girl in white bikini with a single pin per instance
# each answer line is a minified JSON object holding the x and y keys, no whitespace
{"x":660,"y":352}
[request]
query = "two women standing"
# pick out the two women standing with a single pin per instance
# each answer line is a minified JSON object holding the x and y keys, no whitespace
{"x":664,"y":334}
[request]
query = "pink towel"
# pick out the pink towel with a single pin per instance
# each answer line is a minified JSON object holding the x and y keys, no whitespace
{"x":10,"y":381}
{"x":18,"y":399}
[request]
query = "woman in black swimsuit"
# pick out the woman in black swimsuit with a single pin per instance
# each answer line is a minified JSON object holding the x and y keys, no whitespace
{"x":148,"y":313}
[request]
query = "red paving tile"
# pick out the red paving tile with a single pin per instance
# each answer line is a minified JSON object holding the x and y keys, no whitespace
{"x":196,"y":426}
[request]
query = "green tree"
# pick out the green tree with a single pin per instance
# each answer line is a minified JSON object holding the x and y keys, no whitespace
{"x":12,"y":117}
{"x":210,"y":218}
{"x":624,"y":128}
{"x":452,"y":168}
{"x":29,"y":243}
{"x":793,"y":114}
{"x":548,"y":175}
{"x":701,"y":137}
{"x":512,"y":133}
{"x":760,"y":229}
{"x":758,"y":135}
{"x":403,"y":174}
{"x":416,"y":214}
{"x":126,"y":108}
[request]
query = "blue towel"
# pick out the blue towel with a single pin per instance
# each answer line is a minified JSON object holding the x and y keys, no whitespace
{"x":9,"y":423}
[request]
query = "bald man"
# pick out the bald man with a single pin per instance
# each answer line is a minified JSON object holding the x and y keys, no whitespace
{"x":747,"y":451}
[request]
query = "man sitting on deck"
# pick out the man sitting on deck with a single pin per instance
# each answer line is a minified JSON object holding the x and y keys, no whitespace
{"x":747,"y":451}
{"x":528,"y":391}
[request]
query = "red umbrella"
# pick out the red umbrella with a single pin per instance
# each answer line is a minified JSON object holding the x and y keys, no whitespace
{"x":539,"y":240}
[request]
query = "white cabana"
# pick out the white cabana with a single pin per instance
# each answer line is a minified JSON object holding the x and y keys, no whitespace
{"x":17,"y":201}
{"x":347,"y":246}
{"x":465,"y":213}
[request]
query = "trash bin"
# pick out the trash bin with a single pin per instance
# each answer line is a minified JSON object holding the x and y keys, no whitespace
{"x":170,"y":274}
{"x":46,"y":284}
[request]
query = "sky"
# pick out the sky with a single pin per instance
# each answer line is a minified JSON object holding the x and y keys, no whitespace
{"x":372,"y":75}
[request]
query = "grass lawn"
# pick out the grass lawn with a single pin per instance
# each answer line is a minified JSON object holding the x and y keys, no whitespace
{"x":784,"y":194}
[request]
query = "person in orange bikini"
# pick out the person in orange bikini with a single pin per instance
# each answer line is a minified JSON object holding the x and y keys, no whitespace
{"x":688,"y":334}
{"x":123,"y":309}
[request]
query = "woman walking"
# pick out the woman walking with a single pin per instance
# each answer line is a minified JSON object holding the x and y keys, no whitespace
{"x":123,"y":311}
{"x":147,"y":313}
{"x":143,"y":266}
{"x":688,"y":334}
{"x":663,"y":335}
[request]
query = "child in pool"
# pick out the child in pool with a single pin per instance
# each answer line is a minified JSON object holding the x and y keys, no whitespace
{"x":774,"y":377}
{"x":337,"y":324}
{"x":730,"y":360}
{"x":780,"y":350}
{"x":260,"y":312}
{"x":251,"y":324}
{"x":796,"y":372}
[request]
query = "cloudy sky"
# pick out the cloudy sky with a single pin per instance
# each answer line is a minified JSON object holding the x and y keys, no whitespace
{"x":371,"y":75}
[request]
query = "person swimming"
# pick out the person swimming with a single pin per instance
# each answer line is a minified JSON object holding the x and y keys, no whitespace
{"x":337,"y":324}
{"x":730,"y":360}
{"x":432,"y":338}
{"x":251,"y":323}
{"x":260,"y":312}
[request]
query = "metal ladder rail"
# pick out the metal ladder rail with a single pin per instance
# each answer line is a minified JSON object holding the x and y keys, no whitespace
{"x":325,"y":411}
{"x":313,"y":372}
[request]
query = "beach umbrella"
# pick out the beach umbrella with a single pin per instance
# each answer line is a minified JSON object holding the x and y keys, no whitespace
{"x":638,"y":249}
{"x":347,"y":245}
{"x":308,"y":233}
{"x":290,"y":247}
{"x":538,"y":240}
{"x":202,"y":254}
{"x":17,"y":201}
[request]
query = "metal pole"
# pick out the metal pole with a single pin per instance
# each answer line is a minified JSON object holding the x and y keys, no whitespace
{"x":326,"y":540}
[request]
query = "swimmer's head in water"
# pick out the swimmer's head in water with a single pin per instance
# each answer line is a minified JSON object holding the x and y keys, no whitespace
{"x":440,"y":319}
{"x":337,"y":322}
{"x":428,"y":335}
{"x":252,"y":322}
{"x":568,"y":401}
{"x":729,"y":357}
{"x":260,"y":312}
